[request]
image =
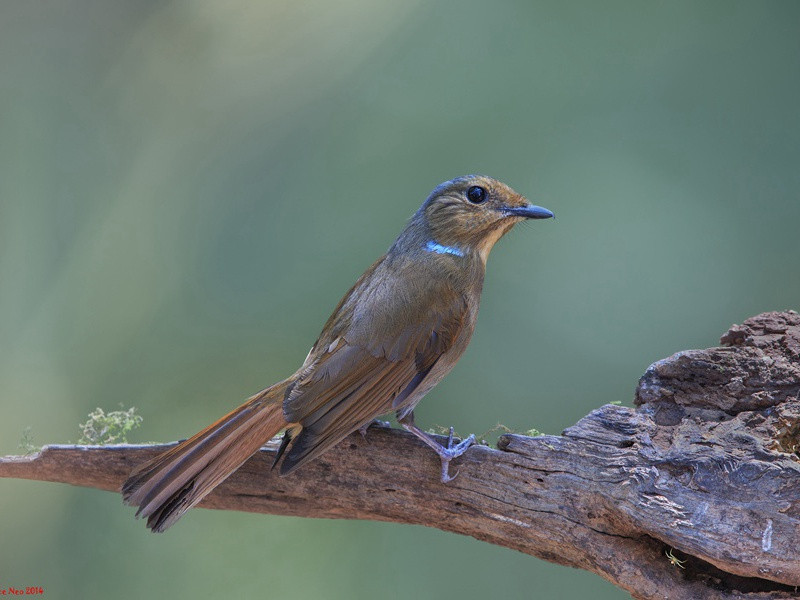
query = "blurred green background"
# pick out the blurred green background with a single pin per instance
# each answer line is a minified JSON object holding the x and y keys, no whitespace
{"x":187,"y":188}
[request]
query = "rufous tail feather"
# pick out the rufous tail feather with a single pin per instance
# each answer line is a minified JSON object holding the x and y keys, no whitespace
{"x":173,"y":482}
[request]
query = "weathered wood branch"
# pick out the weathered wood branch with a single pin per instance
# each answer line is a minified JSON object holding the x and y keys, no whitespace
{"x":706,"y":467}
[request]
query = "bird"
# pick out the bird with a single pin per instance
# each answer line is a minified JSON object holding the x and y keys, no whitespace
{"x":393,"y":336}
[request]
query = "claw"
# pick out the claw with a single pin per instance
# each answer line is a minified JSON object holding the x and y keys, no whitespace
{"x":374,"y":423}
{"x":446,"y":454}
{"x":451,"y":452}
{"x":446,"y":477}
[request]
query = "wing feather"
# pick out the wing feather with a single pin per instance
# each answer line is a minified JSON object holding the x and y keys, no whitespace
{"x":353,"y":381}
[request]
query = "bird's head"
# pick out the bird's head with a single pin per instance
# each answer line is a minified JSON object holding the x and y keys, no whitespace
{"x":469,"y":214}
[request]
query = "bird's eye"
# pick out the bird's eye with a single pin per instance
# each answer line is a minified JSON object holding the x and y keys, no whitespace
{"x":476,"y":194}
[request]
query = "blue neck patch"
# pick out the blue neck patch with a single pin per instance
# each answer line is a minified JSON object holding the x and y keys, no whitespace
{"x":432,"y":246}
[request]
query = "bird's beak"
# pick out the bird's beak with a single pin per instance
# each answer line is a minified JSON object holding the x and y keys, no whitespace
{"x":528,"y":212}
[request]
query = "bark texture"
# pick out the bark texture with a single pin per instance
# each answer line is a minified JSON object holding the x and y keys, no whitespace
{"x":706,"y":469}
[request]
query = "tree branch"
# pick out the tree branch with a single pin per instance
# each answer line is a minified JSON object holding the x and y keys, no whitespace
{"x":705,"y":468}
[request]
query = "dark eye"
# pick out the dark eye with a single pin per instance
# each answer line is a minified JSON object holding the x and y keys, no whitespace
{"x":476,"y":194}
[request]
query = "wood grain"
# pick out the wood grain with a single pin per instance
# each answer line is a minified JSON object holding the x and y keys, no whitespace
{"x":706,"y":467}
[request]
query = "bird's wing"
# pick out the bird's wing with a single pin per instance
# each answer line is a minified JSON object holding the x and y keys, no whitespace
{"x":377,"y":362}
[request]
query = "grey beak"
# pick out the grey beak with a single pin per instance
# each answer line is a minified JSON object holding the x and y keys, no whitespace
{"x":529,"y":212}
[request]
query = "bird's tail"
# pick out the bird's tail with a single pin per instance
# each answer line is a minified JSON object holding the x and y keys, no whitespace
{"x":173,"y":482}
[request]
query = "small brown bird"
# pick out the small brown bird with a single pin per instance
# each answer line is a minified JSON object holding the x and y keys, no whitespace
{"x":393,"y":337}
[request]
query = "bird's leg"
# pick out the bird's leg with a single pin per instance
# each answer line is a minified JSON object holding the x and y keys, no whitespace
{"x":446,"y":454}
{"x":374,"y":423}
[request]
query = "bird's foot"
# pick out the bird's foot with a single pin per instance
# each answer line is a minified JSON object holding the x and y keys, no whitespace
{"x":374,"y":423}
{"x":446,"y":454}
